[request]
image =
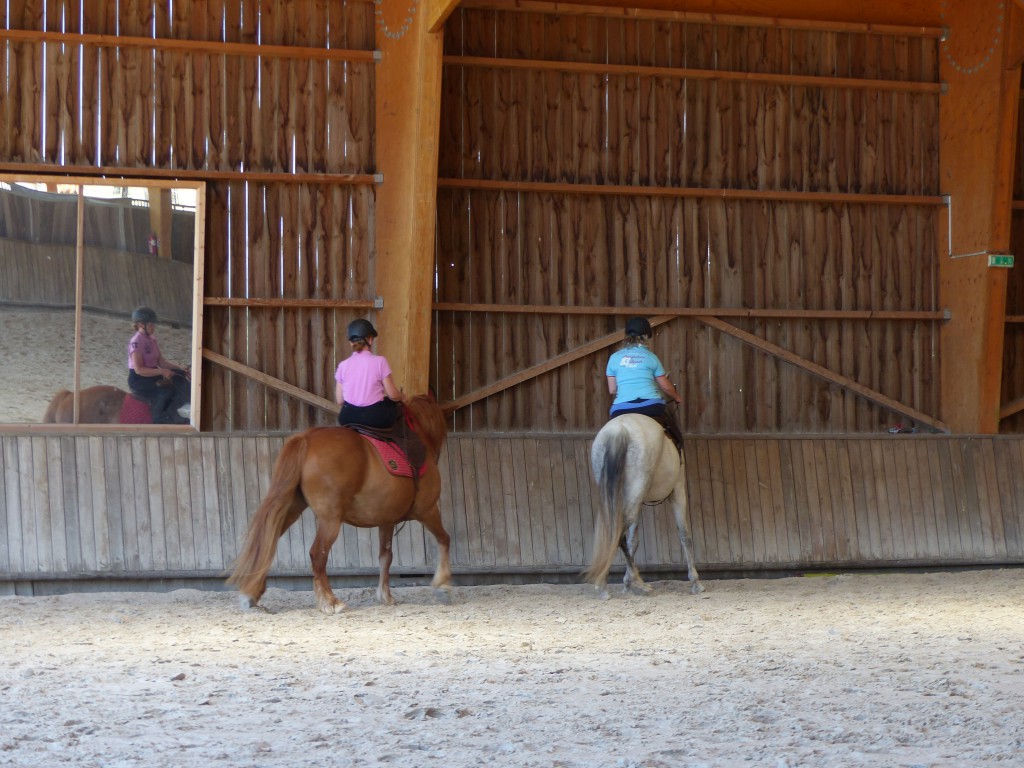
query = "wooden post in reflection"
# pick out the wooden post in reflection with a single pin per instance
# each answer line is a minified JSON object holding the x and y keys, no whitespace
{"x":977,"y":133}
{"x":79,"y":291}
{"x":160,"y":218}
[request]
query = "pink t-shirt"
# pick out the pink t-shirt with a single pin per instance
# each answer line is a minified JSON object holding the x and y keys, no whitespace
{"x":149,"y":348}
{"x":362,"y":377}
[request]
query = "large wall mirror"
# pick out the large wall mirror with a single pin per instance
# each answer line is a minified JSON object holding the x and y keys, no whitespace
{"x":77,"y":257}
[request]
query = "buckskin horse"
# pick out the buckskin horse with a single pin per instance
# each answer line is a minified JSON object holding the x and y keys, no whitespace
{"x":340,"y":476}
{"x":635,"y":463}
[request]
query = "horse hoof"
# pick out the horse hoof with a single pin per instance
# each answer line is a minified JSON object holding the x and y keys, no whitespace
{"x":601,"y":593}
{"x":333,"y":609}
{"x":443,"y":595}
{"x":246,"y":603}
{"x":696,"y":588}
{"x":640,"y":589}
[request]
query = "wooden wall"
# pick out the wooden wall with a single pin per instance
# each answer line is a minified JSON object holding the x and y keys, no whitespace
{"x":654,"y":165}
{"x":83,"y":512}
{"x":271,"y":104}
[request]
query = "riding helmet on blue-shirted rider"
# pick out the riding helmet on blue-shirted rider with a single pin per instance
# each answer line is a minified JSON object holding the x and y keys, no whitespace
{"x":143,"y":315}
{"x":638,"y":326}
{"x":361,"y":329}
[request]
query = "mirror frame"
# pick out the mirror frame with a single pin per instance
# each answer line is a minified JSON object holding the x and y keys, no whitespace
{"x":198,"y":261}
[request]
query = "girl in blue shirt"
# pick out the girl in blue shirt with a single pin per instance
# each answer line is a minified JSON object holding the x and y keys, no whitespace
{"x":637,"y":379}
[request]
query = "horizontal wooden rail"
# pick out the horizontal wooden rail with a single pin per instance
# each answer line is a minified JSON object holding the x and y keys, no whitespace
{"x":116,"y":171}
{"x":683,"y":73}
{"x":696,"y":17}
{"x":786,"y":314}
{"x":225,"y":301}
{"x":491,"y":185}
{"x":189,"y":46}
{"x":1018,"y":205}
{"x":270,"y":381}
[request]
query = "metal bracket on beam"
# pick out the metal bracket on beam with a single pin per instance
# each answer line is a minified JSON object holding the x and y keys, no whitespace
{"x":378,"y":302}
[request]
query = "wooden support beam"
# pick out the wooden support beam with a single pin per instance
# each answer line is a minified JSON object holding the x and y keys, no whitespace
{"x":189,"y":45}
{"x":438,"y":12}
{"x":625,"y":190}
{"x":976,"y":117}
{"x":765,"y":346}
{"x":548,"y":365}
{"x":824,"y":373}
{"x":408,"y":113}
{"x":860,"y":17}
{"x":1015,"y":36}
{"x":269,"y":381}
{"x":683,"y":73}
{"x":226,"y":301}
{"x":122,"y":172}
{"x":761,"y":313}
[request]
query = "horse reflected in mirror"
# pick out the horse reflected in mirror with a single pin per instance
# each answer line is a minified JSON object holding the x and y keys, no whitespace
{"x":340,"y":476}
{"x":635,"y":463}
{"x":98,"y":405}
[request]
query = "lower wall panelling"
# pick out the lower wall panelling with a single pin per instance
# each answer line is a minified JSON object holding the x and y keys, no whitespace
{"x":99,"y":512}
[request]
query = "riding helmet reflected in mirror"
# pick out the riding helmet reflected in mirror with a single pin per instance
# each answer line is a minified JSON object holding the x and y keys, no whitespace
{"x":361,"y":329}
{"x":638,"y":326}
{"x":143,"y":315}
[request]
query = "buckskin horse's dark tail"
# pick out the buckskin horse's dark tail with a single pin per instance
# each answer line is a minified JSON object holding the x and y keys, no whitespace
{"x":280,"y":508}
{"x":610,"y":519}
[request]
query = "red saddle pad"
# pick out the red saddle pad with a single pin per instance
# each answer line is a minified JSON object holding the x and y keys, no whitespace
{"x":135,"y":411}
{"x":394,"y":459}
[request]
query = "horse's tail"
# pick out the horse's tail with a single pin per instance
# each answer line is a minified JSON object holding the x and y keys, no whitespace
{"x":50,"y":417}
{"x":271,"y":520}
{"x":610,"y":520}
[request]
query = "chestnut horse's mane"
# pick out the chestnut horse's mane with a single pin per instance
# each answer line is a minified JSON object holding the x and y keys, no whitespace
{"x":428,"y":421}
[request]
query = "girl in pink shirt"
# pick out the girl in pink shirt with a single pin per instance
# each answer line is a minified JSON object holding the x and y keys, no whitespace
{"x":151,"y":377}
{"x":365,"y":390}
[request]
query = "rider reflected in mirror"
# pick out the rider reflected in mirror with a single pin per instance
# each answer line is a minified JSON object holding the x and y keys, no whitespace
{"x":638,"y":382}
{"x":163,"y":384}
{"x":364,"y":389}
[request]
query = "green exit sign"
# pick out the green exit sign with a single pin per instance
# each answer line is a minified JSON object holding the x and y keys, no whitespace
{"x":1000,"y":259}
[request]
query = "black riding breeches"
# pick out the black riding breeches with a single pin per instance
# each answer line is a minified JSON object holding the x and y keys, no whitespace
{"x":380,"y":415}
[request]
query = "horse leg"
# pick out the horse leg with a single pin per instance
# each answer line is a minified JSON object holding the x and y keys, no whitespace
{"x":631,"y":579}
{"x":326,"y":534}
{"x":385,"y":534}
{"x":442,"y":582}
{"x":679,"y":504}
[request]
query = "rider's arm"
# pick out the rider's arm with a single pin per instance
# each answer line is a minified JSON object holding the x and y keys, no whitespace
{"x":668,"y":388}
{"x":142,"y":370}
{"x":338,"y":398}
{"x":613,"y":385}
{"x":392,"y":391}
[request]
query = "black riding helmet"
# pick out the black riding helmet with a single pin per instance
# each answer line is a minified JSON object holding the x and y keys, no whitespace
{"x":143,"y":315}
{"x":361,"y":329}
{"x":638,"y":326}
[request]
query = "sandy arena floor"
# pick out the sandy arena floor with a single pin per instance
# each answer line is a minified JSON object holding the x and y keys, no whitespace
{"x":853,"y":670}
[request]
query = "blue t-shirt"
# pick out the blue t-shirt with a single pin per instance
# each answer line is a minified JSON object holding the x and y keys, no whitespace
{"x":635,"y":370}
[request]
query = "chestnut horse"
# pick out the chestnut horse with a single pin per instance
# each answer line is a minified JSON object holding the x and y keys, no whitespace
{"x":98,"y":405}
{"x":341,"y":477}
{"x":635,"y":463}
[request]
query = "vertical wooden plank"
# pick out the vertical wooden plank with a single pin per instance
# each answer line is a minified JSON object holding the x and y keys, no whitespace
{"x":949,"y":471}
{"x":489,"y":454}
{"x":844,"y":526}
{"x":510,"y":509}
{"x":728,"y":548}
{"x":473,"y":538}
{"x":559,"y":505}
{"x":11,"y":558}
{"x":162,"y":532}
{"x":48,"y":551}
{"x":461,"y":545}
